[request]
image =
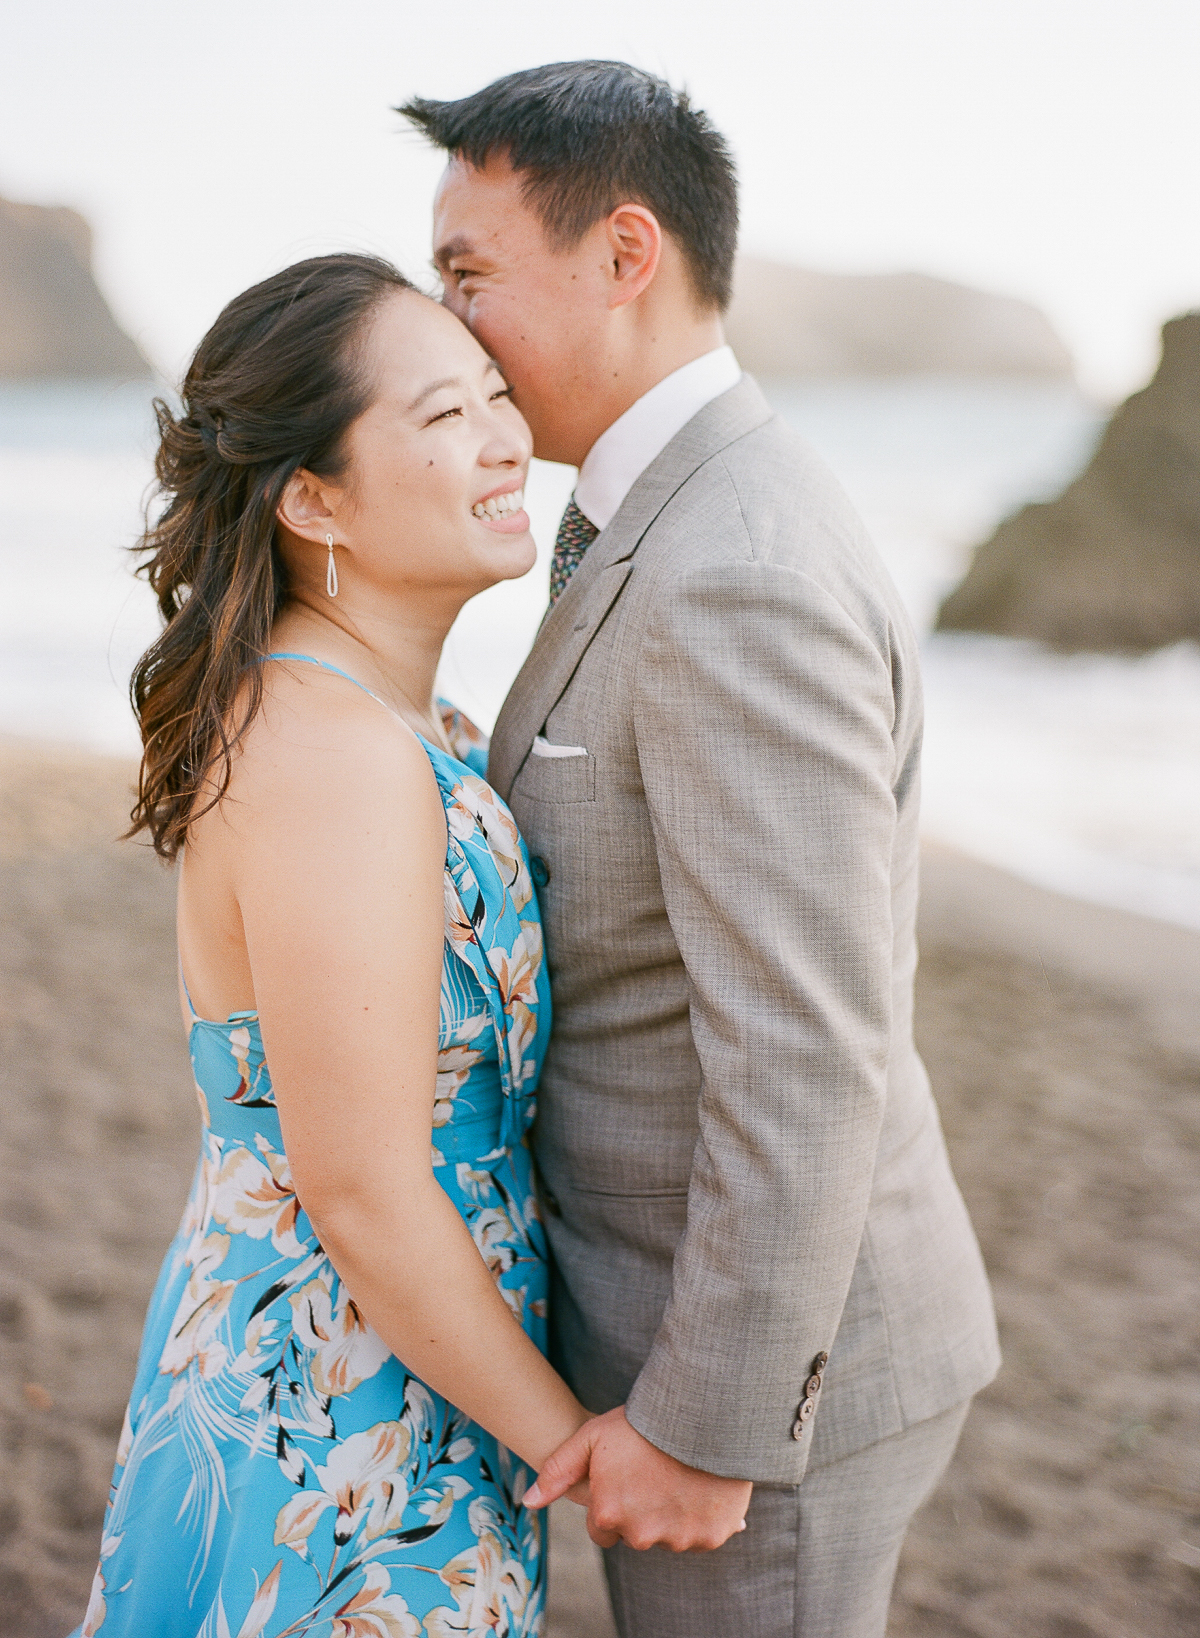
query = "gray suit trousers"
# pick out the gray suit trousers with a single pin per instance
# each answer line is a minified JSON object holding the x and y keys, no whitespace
{"x":817,"y":1559}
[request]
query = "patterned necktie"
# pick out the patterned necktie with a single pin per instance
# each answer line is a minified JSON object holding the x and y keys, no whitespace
{"x":575,"y":534}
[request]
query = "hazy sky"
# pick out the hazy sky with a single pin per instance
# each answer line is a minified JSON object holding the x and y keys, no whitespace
{"x":1049,"y":148}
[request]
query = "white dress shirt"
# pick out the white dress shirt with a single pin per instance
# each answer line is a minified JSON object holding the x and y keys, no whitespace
{"x":619,"y":456}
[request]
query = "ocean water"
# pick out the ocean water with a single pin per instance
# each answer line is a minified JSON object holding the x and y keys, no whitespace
{"x":1080,"y":772}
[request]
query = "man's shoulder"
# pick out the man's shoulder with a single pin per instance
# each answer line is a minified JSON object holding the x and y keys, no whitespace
{"x":768,"y":498}
{"x":785,"y":491}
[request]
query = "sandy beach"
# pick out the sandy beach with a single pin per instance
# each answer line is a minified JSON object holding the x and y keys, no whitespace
{"x":1064,"y":1045}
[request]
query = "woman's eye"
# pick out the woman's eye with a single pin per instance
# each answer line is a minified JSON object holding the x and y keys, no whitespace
{"x":446,"y":414}
{"x":505,"y":392}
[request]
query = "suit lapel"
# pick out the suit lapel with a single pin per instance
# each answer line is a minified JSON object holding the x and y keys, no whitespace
{"x":569,"y":627}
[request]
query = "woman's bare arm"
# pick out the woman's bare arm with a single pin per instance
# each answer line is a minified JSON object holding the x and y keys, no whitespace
{"x":337,"y":845}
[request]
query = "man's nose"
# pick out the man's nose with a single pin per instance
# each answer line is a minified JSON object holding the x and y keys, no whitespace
{"x":453,"y":299}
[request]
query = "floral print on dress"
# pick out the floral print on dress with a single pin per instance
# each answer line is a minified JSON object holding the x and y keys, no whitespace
{"x":280,"y":1472}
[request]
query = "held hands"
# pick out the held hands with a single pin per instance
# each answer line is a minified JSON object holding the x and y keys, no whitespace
{"x":639,"y":1494}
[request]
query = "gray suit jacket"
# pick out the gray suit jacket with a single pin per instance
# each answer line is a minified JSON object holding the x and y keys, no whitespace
{"x":741,"y":1158}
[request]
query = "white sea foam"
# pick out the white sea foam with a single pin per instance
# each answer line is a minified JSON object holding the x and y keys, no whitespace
{"x":1079,"y":772}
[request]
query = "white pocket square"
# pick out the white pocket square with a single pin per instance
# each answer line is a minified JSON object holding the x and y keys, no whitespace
{"x":543,"y":747}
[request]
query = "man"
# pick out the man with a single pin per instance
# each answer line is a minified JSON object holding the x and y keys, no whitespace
{"x":765,"y":1274}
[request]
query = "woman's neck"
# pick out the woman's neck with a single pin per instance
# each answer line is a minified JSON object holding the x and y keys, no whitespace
{"x":395,"y":656}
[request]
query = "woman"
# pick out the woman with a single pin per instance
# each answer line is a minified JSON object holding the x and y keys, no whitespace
{"x":362,"y":983}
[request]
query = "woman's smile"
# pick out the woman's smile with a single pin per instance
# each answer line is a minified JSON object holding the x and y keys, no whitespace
{"x":503,"y":511}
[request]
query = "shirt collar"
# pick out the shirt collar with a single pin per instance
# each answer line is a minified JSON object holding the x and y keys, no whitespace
{"x":622,"y":453}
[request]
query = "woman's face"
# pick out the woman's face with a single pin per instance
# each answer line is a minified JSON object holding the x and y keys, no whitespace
{"x":433,"y":494}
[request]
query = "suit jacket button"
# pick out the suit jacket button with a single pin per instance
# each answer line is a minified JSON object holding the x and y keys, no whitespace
{"x":539,"y":870}
{"x":819,"y":1364}
{"x":813,"y":1385}
{"x":551,"y":1204}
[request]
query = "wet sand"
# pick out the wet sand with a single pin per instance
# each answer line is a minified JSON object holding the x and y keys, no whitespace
{"x":1064,"y":1045}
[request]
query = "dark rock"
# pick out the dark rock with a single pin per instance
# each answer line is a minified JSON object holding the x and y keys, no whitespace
{"x":1114,"y":562}
{"x":53,"y":319}
{"x":786,"y":322}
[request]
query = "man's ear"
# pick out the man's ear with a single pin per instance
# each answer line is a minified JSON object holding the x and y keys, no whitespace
{"x":304,"y":508}
{"x":635,"y":242}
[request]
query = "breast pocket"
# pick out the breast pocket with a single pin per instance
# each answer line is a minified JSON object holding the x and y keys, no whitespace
{"x":558,"y":780}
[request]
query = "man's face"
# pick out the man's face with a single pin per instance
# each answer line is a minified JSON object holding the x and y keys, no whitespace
{"x":539,"y":311}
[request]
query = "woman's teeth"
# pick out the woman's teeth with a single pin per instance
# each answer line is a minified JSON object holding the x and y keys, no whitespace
{"x":500,"y":506}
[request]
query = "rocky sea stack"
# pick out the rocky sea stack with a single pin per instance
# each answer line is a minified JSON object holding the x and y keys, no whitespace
{"x":53,"y":319}
{"x":1114,"y":562}
{"x":789,"y":322}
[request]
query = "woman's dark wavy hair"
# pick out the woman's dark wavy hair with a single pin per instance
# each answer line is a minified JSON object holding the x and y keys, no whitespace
{"x":273,"y":387}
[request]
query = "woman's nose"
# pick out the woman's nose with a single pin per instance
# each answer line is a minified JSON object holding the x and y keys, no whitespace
{"x":509,"y":445}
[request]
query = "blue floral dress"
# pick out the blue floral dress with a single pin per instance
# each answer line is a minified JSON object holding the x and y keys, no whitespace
{"x":280,"y":1472}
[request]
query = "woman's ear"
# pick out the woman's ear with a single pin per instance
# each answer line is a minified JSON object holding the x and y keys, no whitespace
{"x":304,"y":508}
{"x":635,"y":243}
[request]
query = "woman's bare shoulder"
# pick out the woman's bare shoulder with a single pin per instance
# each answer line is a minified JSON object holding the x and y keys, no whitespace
{"x":319,"y":746}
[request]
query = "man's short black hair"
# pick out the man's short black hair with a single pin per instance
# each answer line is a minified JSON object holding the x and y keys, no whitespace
{"x":593,"y":135}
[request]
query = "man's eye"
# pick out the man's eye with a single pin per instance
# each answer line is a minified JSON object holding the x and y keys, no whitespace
{"x":446,"y":414}
{"x":505,"y":392}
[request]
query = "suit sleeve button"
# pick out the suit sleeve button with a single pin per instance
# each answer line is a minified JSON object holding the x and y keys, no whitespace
{"x":813,"y":1385}
{"x":539,"y":870}
{"x":804,"y":1415}
{"x":819,"y":1364}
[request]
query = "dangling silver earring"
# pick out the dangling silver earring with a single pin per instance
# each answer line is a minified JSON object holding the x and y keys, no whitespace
{"x":330,"y":570}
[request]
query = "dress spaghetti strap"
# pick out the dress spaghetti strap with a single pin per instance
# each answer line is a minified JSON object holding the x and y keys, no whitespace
{"x":309,"y":659}
{"x":187,"y":994}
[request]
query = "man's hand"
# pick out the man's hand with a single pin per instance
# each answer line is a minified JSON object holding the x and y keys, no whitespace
{"x":639,"y":1494}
